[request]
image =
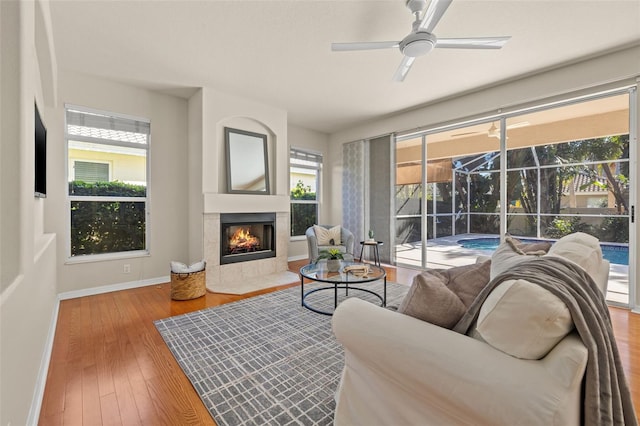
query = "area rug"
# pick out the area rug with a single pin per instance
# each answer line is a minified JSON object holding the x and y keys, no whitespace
{"x":265,"y":360}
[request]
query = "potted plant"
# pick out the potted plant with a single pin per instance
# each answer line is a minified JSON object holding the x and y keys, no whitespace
{"x":371,"y":238}
{"x":333,"y":256}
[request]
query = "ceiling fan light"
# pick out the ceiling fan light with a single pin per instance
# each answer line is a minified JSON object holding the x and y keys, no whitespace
{"x":418,"y":44}
{"x":417,"y":48}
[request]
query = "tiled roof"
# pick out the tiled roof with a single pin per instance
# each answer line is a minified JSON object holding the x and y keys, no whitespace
{"x":583,"y":179}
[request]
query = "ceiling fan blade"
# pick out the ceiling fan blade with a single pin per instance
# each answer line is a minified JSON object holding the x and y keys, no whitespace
{"x":403,"y":69}
{"x":365,"y":45}
{"x":433,"y":14}
{"x":472,"y":43}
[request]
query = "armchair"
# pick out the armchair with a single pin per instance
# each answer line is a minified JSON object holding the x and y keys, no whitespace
{"x":346,"y":245}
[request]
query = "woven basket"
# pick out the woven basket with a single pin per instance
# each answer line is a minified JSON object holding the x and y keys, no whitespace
{"x":188,"y":286}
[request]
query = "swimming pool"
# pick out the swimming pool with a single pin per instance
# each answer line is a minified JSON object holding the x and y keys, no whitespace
{"x":613,"y":253}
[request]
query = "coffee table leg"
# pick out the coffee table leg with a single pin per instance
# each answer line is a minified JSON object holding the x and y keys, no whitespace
{"x":301,"y":290}
{"x":335,"y":296}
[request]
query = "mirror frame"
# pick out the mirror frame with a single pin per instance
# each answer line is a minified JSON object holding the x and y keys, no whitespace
{"x":236,"y":163}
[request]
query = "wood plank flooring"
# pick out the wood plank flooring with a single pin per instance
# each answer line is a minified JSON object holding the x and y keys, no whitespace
{"x":110,"y":366}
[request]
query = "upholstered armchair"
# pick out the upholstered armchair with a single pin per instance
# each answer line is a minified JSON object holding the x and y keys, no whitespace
{"x":315,"y":246}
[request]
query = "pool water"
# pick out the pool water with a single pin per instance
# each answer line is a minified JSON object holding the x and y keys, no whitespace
{"x":613,"y":253}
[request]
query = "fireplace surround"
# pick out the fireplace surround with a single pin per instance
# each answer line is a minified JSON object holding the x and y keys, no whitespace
{"x":245,"y":277}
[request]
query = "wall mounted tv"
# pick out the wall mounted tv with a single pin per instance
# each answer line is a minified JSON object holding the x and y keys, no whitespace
{"x":41,"y":156}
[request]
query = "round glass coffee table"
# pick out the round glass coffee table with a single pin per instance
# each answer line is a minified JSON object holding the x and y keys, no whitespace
{"x":347,"y":278}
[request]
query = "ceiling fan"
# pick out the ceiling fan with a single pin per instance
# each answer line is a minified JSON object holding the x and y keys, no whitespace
{"x":493,"y":131}
{"x":421,"y":40}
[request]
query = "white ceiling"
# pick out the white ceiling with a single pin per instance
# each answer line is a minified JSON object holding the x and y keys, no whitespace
{"x":278,"y":52}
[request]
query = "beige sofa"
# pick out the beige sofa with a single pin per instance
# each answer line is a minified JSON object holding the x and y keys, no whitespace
{"x":400,"y":370}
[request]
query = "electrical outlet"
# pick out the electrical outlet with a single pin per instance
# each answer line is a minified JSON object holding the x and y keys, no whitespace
{"x":126,"y":268}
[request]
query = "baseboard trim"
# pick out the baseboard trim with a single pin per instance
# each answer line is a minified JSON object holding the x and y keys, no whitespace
{"x":299,"y":257}
{"x":113,"y":287}
{"x":41,"y":381}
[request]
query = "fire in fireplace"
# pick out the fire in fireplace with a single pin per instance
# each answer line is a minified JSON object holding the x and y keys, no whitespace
{"x":242,"y":241}
{"x":246,"y":236}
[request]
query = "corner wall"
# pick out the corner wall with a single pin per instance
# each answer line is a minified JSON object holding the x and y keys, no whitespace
{"x":196,"y":197}
{"x":28,"y":303}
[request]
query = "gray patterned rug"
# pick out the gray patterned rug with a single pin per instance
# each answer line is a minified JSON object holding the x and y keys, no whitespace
{"x":264,"y":360}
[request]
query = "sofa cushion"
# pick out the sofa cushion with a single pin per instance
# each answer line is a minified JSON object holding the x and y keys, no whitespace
{"x":512,"y":252}
{"x":523,"y":320}
{"x":325,"y":236}
{"x":429,"y":299}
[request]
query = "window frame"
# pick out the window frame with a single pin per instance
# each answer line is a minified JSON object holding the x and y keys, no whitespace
{"x":299,"y":152}
{"x":146,"y":251}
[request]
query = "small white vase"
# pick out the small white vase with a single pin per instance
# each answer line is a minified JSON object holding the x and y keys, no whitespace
{"x":333,"y":265}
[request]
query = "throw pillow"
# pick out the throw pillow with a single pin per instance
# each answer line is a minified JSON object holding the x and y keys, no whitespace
{"x":467,"y":281}
{"x":512,"y":252}
{"x":429,"y":299}
{"x":327,"y":237}
{"x":581,"y":249}
{"x":523,"y":320}
{"x":181,"y":268}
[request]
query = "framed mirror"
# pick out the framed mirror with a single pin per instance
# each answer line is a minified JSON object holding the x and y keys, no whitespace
{"x":247,"y":162}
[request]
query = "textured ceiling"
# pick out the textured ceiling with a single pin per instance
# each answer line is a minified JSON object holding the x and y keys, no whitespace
{"x":278,"y":52}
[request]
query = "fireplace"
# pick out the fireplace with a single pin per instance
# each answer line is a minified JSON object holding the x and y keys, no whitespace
{"x":247,"y":236}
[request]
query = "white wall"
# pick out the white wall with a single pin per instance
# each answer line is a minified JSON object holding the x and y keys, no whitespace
{"x":220,"y":110}
{"x":168,"y":182}
{"x":28,"y":303}
{"x":608,"y":71}
{"x":318,"y":142}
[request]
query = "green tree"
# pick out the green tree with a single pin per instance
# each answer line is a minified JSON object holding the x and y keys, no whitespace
{"x":608,"y":148}
{"x":483,"y":191}
{"x":302,"y":192}
{"x":602,"y":153}
{"x":107,"y":226}
{"x":303,"y":215}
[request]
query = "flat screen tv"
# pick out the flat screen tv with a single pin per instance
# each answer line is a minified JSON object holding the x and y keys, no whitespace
{"x":41,"y":156}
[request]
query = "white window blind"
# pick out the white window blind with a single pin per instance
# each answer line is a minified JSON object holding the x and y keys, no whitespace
{"x":87,"y":171}
{"x":93,"y":125}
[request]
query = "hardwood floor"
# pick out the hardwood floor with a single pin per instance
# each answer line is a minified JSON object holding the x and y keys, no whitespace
{"x":110,"y":366}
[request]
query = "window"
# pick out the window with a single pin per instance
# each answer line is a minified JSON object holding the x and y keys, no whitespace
{"x":304,"y":179}
{"x":107,"y":162}
{"x":91,"y":172}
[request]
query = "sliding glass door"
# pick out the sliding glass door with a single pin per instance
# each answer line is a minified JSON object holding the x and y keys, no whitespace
{"x":568,"y":171}
{"x":565,"y":169}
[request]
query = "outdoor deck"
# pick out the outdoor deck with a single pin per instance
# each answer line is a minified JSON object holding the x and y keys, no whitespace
{"x":446,"y":252}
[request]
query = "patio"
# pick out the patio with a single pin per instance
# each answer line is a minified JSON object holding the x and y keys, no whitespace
{"x":446,"y":252}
